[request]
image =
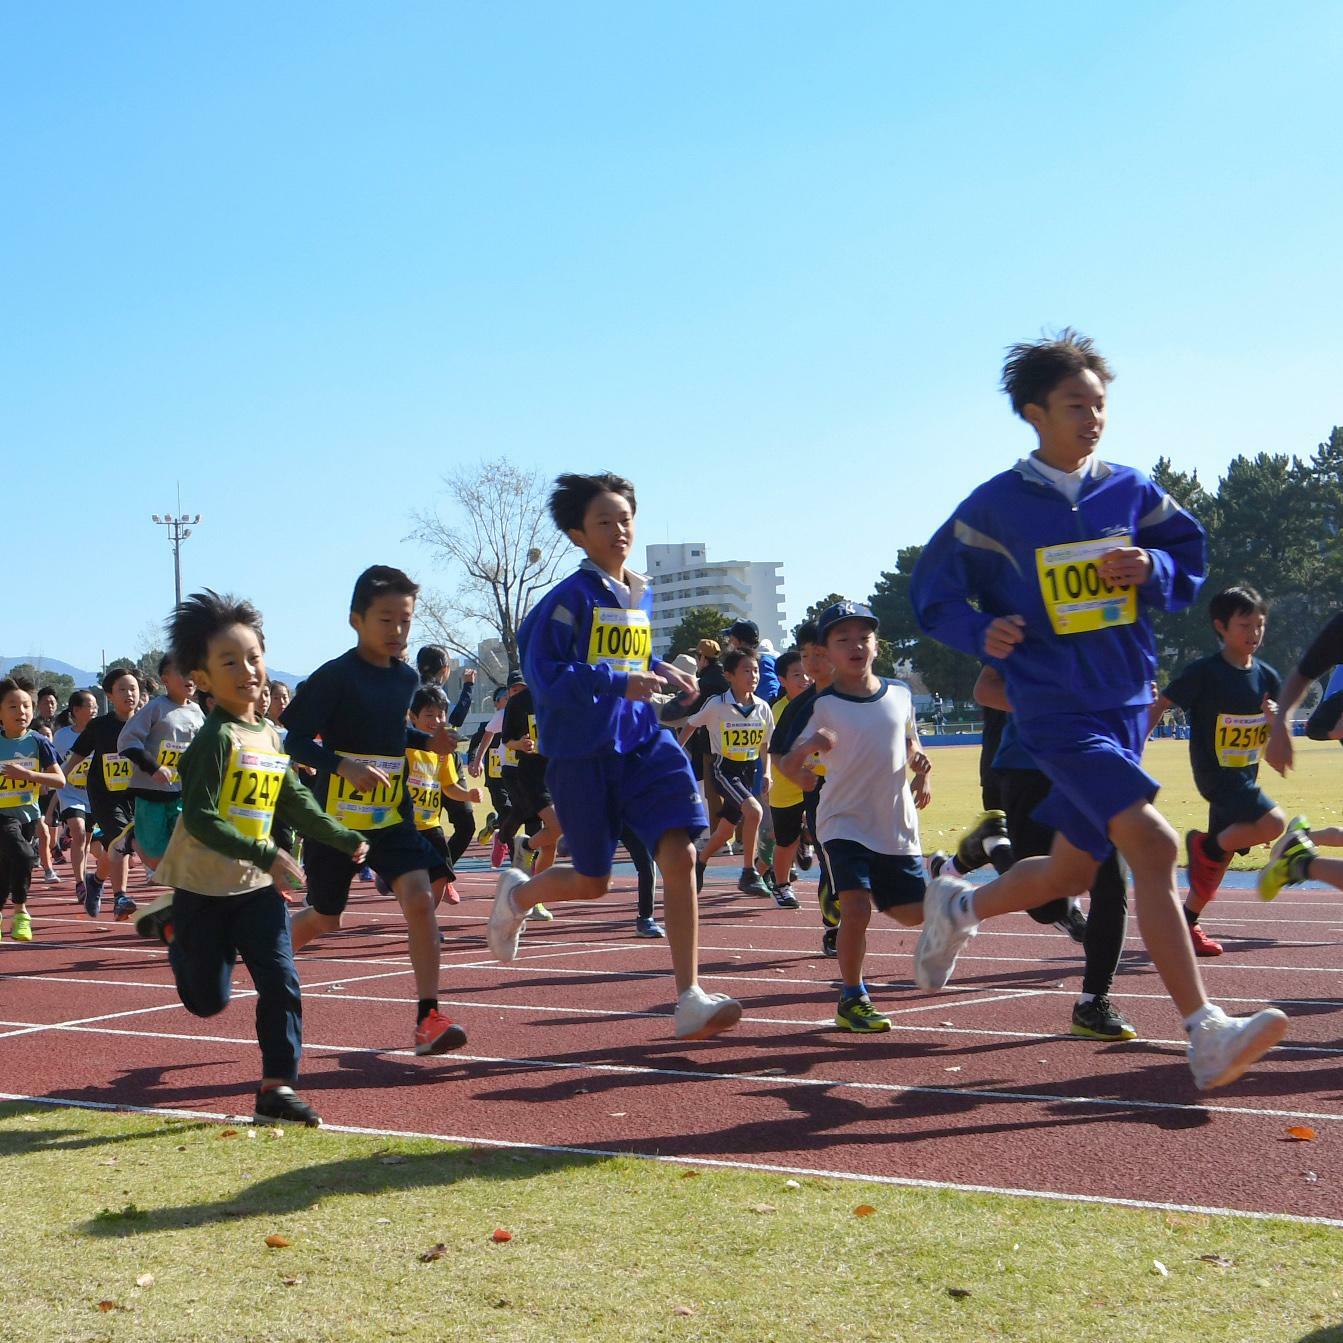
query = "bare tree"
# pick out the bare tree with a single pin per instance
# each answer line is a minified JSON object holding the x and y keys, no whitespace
{"x":501,"y":546}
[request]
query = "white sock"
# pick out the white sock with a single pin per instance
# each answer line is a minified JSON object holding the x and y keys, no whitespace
{"x":1084,"y":998}
{"x":1192,"y":1023}
{"x":963,"y":909}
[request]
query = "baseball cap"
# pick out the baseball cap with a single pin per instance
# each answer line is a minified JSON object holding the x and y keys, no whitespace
{"x":745,"y":630}
{"x":515,"y":678}
{"x":841,"y":611}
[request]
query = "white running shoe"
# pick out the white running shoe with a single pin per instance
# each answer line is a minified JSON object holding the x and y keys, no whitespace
{"x":50,"y":877}
{"x":506,"y":924}
{"x":941,"y":940}
{"x":1221,"y":1048}
{"x":700,"y":1015}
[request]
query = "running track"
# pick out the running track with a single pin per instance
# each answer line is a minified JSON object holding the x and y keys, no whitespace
{"x":571,"y":1048}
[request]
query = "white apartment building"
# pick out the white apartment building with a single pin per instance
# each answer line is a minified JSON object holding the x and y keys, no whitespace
{"x":684,"y":578}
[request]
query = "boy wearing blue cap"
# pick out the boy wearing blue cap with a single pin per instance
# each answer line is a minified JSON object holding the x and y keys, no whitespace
{"x":863,"y":726}
{"x":1048,"y":571}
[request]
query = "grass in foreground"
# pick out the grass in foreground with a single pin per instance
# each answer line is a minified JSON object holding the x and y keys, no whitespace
{"x":132,"y":1227}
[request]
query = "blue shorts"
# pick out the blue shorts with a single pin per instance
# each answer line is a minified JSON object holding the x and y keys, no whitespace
{"x":889,"y":878}
{"x":1094,"y":762}
{"x":651,"y":790}
{"x":392,"y":852}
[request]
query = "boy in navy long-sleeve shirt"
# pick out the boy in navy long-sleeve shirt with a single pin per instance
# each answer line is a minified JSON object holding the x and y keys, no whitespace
{"x":357,"y":704}
{"x":587,"y":656}
{"x":1048,"y":571}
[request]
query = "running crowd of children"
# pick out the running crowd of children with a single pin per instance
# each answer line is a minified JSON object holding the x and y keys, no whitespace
{"x":251,"y":812}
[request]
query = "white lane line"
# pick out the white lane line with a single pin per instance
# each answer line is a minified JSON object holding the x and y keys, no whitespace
{"x":88,"y":1023}
{"x":763,"y":1079}
{"x":719,"y":1163}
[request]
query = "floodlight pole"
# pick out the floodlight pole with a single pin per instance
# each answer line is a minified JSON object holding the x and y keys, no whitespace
{"x":179,"y":528}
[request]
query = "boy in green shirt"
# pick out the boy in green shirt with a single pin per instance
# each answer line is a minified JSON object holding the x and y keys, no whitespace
{"x":221,"y":860}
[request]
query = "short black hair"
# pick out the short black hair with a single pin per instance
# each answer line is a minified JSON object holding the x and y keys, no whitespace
{"x":48,"y":690}
{"x":427,"y":695}
{"x":572,"y":494}
{"x":79,"y":696}
{"x":808,"y":632}
{"x":201,"y":616}
{"x":12,"y":683}
{"x":110,"y":678}
{"x":785,"y":662}
{"x":1033,"y":369}
{"x":380,"y":580}
{"x":734,"y":659}
{"x":431,"y":661}
{"x":1240,"y":600}
{"x":166,"y":663}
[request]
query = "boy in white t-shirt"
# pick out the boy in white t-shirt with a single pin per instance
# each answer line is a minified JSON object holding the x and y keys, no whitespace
{"x":739,"y":726}
{"x":867,"y":817}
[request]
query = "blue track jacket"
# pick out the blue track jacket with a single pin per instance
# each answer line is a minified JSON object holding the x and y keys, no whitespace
{"x":581,"y":709}
{"x":991,"y":554}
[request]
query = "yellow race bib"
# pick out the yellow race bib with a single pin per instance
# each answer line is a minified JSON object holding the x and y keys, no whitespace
{"x":375,"y":810}
{"x":426,"y":792}
{"x":18,"y":792}
{"x":494,"y":762}
{"x":620,"y":639}
{"x":168,"y":758}
{"x":1240,"y":738}
{"x":79,"y":777}
{"x":116,"y":773}
{"x":1077,"y":598}
{"x":741,"y":741}
{"x":251,"y":790}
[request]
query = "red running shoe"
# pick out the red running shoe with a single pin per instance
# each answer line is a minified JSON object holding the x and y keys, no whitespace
{"x":451,"y":894}
{"x":501,"y":854}
{"x":1205,"y":874}
{"x":436,"y":1034}
{"x":1203,"y":944}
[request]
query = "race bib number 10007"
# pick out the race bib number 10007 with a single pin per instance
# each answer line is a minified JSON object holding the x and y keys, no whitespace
{"x":621,"y":640}
{"x":1077,"y":598}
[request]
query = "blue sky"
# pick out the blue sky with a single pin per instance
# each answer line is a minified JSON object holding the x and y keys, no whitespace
{"x":763,"y":258}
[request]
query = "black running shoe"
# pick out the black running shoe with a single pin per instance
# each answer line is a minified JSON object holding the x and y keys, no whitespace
{"x":829,"y":904}
{"x":970,"y":851}
{"x":830,"y":943}
{"x":282,"y":1105}
{"x":805,"y":857}
{"x":700,"y":868}
{"x":936,"y":862}
{"x":1074,"y":923}
{"x":1098,"y":1020}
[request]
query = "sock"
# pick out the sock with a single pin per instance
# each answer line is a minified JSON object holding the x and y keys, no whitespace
{"x":1084,"y":998}
{"x":963,"y":909}
{"x":1213,"y":849}
{"x":858,"y":990}
{"x":1190,"y":916}
{"x":1002,"y":856}
{"x":953,"y":868}
{"x":272,"y":1086}
{"x":1192,"y":1023}
{"x":426,"y":1005}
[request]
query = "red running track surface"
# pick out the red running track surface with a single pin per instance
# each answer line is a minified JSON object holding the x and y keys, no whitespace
{"x":571,"y":1047}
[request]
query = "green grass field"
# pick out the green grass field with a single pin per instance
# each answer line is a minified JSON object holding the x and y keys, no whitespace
{"x":131,"y":1227}
{"x":127,"y":1227}
{"x":1315,"y":787}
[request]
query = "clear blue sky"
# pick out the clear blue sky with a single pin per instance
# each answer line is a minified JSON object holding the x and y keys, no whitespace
{"x":763,"y":258}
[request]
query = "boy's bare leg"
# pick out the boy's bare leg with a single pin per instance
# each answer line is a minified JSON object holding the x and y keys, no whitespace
{"x":416,"y":898}
{"x":750,"y":831}
{"x":855,"y":913}
{"x":675,"y":857}
{"x":1065,"y":871}
{"x":308,"y":924}
{"x":1151,"y":849}
{"x":1327,"y":870}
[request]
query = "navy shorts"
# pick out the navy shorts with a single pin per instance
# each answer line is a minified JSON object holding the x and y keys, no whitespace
{"x":889,"y":878}
{"x":1093,"y":761}
{"x":441,"y":868}
{"x":112,"y":814}
{"x":735,"y":782}
{"x":1234,"y":802}
{"x":651,"y":790}
{"x":391,"y":854}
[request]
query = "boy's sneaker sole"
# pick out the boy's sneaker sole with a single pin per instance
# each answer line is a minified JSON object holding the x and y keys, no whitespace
{"x":151,"y":920}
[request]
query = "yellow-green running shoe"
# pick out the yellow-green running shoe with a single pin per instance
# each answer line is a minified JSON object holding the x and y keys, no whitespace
{"x":21,"y":930}
{"x":542,"y":913}
{"x":858,"y":1014}
{"x":1289,"y":861}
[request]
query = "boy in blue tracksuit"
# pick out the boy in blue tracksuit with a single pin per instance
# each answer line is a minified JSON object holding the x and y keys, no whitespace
{"x":1048,"y":572}
{"x":587,"y":655}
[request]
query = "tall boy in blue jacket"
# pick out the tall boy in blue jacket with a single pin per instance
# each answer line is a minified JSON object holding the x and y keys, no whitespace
{"x":587,"y":655}
{"x":1049,"y":571}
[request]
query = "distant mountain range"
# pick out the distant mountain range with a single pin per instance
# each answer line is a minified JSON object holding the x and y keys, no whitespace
{"x":82,"y":677}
